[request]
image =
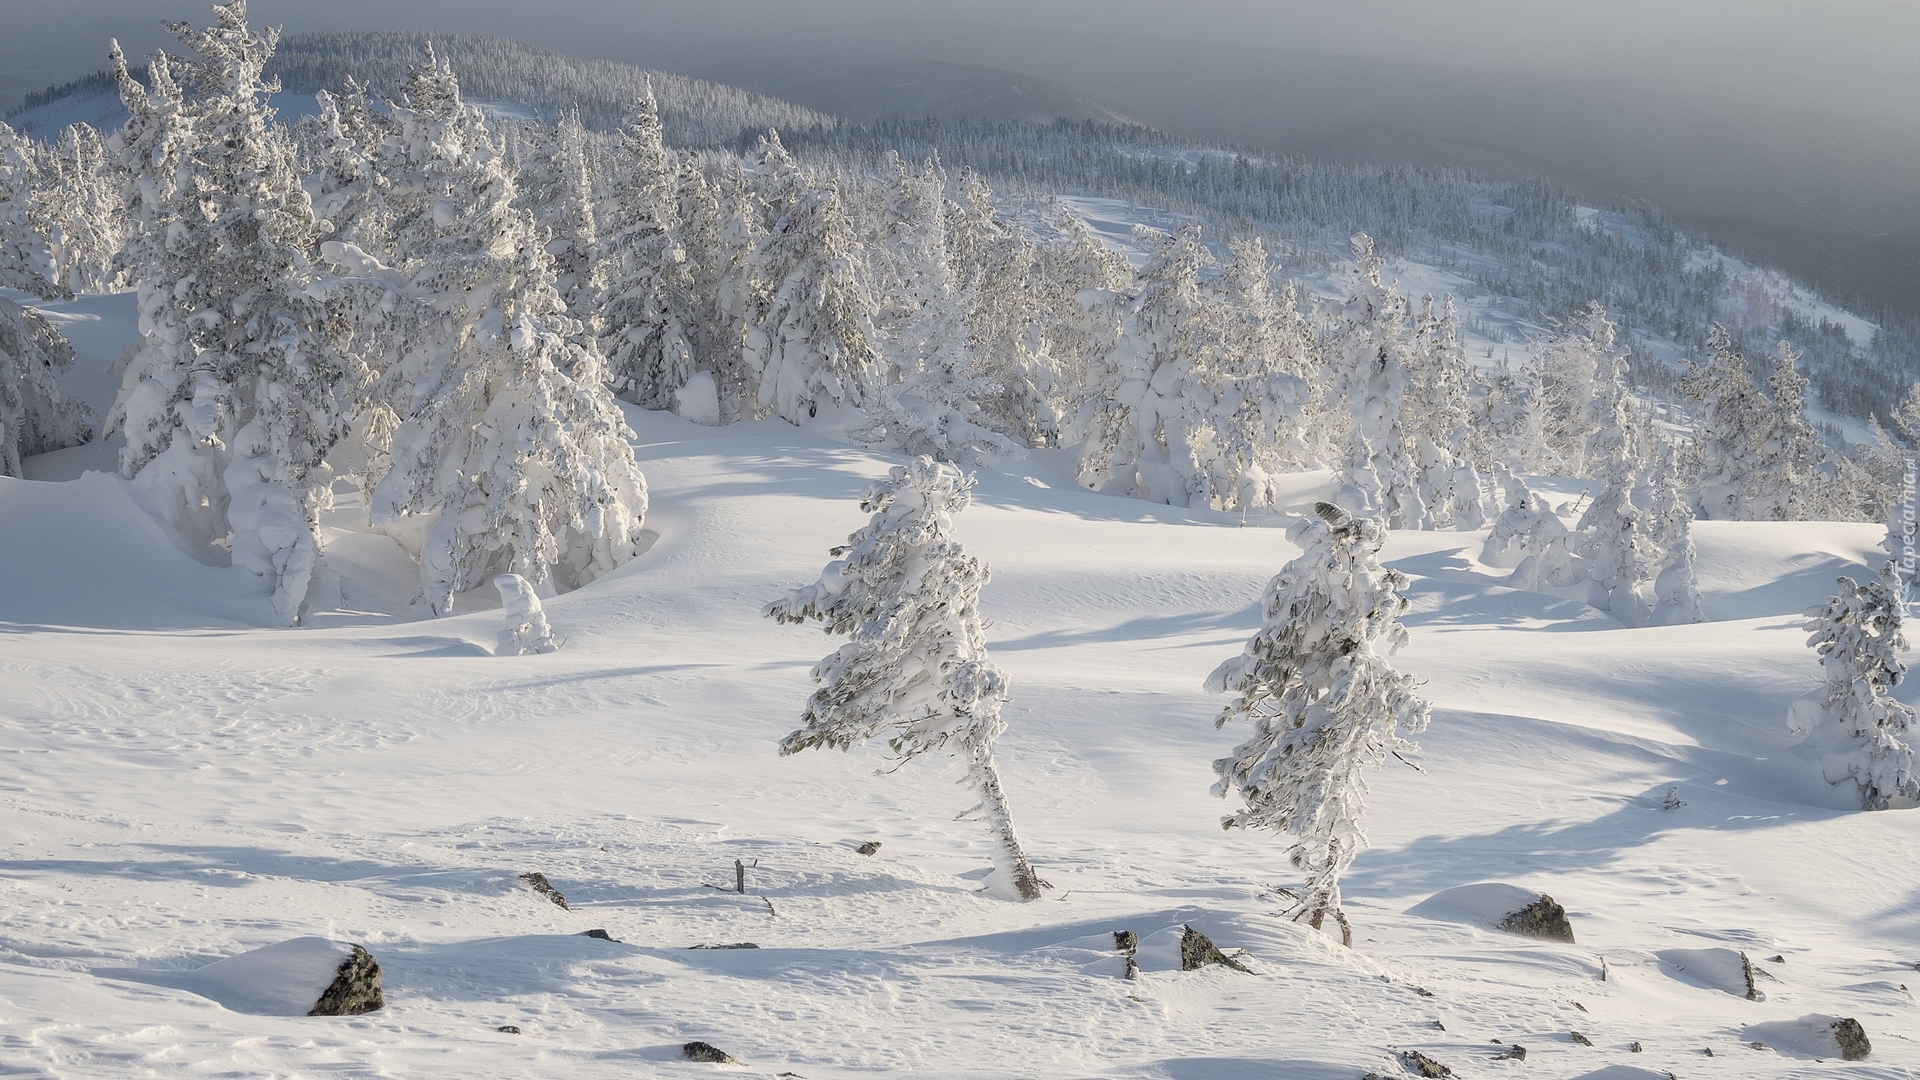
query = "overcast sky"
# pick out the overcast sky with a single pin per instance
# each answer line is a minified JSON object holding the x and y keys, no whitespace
{"x":1793,"y":115}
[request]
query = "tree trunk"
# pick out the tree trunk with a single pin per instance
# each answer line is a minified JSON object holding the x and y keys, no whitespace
{"x":1008,"y":857}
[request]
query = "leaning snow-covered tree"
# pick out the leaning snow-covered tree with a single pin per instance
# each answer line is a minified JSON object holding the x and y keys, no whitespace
{"x":34,"y":416}
{"x":509,"y":454}
{"x":1323,"y":700}
{"x":916,"y":670}
{"x":1854,"y":724}
{"x":237,"y":393}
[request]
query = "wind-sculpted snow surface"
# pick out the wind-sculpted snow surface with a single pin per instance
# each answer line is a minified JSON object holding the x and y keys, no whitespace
{"x":175,"y":797}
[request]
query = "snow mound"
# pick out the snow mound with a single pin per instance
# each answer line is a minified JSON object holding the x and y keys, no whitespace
{"x":84,"y":553}
{"x":283,"y":979}
{"x":1711,"y":969}
{"x":1811,"y":1036}
{"x":1482,"y":905}
{"x":1622,"y":1072}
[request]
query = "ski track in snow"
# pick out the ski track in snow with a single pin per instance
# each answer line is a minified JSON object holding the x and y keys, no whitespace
{"x":177,"y":787}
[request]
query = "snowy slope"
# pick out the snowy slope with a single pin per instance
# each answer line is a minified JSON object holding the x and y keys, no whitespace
{"x":179,"y":785}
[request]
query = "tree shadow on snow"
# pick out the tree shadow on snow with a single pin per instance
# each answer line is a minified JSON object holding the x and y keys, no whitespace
{"x":1146,"y":628}
{"x":1432,"y":863}
{"x":1239,"y":1068}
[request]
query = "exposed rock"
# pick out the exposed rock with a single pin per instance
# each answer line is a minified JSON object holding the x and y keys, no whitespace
{"x":1673,"y":801}
{"x":1579,"y":1006}
{"x":1581,"y":1039}
{"x":1514,"y":1052}
{"x":1422,"y":991}
{"x":868,"y":848}
{"x":508,"y":1029}
{"x":1422,"y":1065}
{"x":1543,"y":919}
{"x":1126,"y":941}
{"x":1198,"y":951}
{"x":700,"y":1051}
{"x":1634,"y":1048}
{"x":545,"y":888}
{"x":1438,"y":1026}
{"x":356,"y":989}
{"x":1729,"y":971}
{"x":1783,"y":959}
{"x":735,"y":945}
{"x":1853,"y":1039}
{"x":1757,"y":1045}
{"x":600,"y":934}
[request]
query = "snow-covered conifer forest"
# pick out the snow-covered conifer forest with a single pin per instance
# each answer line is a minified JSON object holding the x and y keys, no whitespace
{"x":426,"y":467}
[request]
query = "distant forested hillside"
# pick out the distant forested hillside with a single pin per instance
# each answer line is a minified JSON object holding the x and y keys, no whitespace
{"x":1530,"y":247}
{"x":1531,"y":243}
{"x":695,"y":113}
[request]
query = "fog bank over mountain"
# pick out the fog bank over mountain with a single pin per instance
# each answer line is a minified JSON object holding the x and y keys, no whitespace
{"x":1789,"y":128}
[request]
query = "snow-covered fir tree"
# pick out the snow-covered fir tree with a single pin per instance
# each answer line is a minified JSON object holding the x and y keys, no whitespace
{"x":928,"y":403}
{"x":1372,"y":355}
{"x":1197,"y":400}
{"x":1074,"y":285}
{"x":1854,"y":725}
{"x":737,"y":226}
{"x":508,"y":454}
{"x":35,"y":417}
{"x":1323,"y":699}
{"x":1567,"y":372}
{"x":78,"y":209}
{"x":1263,"y":405}
{"x":26,"y":259}
{"x":557,"y":190}
{"x":1622,"y":558}
{"x":1732,"y":423}
{"x":1531,"y":538}
{"x":1669,"y":518}
{"x":349,"y":144}
{"x":1438,"y":416}
{"x":237,"y":393}
{"x":810,"y":334}
{"x":915,"y":671}
{"x":1019,"y":383}
{"x":1509,"y":429}
{"x":1143,"y":436}
{"x":650,"y":318}
{"x":1789,"y":480}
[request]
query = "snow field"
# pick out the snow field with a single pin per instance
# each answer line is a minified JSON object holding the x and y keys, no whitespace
{"x":180,"y":786}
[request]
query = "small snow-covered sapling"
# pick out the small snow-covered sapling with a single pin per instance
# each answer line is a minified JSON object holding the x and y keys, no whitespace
{"x":526,"y":630}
